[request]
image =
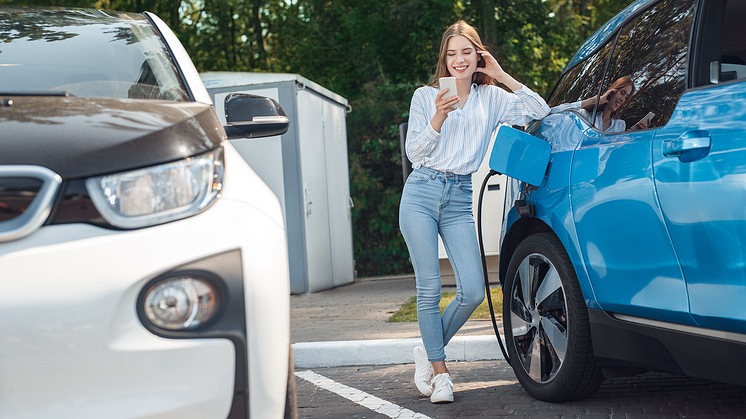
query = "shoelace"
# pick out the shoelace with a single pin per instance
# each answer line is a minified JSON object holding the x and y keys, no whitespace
{"x":439,"y":382}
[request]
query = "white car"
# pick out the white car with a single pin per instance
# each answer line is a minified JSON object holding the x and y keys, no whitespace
{"x":143,"y":264}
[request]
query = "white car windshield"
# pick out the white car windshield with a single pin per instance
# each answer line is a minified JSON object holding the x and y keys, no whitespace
{"x":88,"y":53}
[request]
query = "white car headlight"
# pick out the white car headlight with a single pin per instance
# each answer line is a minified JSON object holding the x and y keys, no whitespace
{"x":159,"y":194}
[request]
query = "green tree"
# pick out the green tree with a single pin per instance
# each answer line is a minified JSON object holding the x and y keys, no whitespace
{"x":376,"y":54}
{"x":376,"y":180}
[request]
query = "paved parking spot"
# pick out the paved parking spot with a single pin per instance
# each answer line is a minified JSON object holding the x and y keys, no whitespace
{"x":488,"y":389}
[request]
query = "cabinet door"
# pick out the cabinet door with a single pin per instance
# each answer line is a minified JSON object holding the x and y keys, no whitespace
{"x":338,"y":187}
{"x":315,"y":195}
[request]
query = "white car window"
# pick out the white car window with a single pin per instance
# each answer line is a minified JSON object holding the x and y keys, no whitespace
{"x":85,"y":53}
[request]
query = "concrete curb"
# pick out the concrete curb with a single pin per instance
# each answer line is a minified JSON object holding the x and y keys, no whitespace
{"x":389,"y":351}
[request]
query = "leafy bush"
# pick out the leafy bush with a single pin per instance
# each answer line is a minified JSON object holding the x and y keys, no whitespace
{"x":376,"y":177}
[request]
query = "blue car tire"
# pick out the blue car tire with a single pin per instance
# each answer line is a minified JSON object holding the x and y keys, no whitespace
{"x":546,"y":323}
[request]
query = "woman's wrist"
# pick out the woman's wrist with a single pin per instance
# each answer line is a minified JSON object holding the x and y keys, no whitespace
{"x":509,"y":81}
{"x":437,"y":122}
{"x":589,"y":102}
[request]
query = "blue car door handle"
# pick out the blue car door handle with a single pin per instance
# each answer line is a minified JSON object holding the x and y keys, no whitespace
{"x":690,"y":140}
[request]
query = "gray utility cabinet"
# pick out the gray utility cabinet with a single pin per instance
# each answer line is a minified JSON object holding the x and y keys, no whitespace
{"x":307,"y":168}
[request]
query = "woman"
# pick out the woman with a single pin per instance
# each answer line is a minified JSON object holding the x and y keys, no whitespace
{"x":446,"y":145}
{"x":606,"y":117}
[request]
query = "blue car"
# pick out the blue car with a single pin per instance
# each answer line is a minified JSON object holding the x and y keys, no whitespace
{"x":630,"y":253}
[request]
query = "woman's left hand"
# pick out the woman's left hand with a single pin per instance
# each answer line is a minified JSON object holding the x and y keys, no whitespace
{"x":492,"y":68}
{"x":643,"y":124}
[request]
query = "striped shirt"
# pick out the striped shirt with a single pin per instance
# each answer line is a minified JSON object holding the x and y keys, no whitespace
{"x":462,"y":142}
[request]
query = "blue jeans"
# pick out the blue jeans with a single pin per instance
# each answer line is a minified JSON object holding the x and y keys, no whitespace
{"x":435,"y":203}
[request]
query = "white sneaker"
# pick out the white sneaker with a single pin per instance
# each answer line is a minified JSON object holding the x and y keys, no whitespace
{"x":442,"y":389}
{"x":423,"y":371}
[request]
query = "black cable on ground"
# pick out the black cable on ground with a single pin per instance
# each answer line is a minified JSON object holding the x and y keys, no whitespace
{"x":484,"y":265}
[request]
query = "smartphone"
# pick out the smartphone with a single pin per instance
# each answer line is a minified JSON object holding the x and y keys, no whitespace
{"x":644,"y":121}
{"x":450,"y":84}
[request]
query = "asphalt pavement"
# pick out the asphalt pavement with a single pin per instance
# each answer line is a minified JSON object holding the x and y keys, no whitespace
{"x":348,"y":326}
{"x":351,"y":363}
{"x":359,"y":311}
{"x":488,"y":389}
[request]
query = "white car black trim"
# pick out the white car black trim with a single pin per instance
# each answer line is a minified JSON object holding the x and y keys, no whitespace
{"x":38,"y":211}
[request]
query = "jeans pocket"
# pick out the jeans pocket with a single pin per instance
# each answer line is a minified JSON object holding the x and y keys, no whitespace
{"x":465,"y":186}
{"x":417,"y":178}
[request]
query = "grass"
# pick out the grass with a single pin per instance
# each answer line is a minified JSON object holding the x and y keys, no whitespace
{"x":408,"y":310}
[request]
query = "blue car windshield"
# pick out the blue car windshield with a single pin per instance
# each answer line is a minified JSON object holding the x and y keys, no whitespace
{"x":88,"y":53}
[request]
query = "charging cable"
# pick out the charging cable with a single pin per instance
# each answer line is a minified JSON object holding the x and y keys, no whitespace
{"x":484,"y":265}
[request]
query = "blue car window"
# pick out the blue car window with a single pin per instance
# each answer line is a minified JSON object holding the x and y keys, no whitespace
{"x":576,"y":84}
{"x":733,"y":49}
{"x":583,"y":80}
{"x":653,"y":50}
{"x":720,"y":44}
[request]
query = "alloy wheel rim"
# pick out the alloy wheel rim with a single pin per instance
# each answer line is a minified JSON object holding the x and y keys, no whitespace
{"x":539,"y":319}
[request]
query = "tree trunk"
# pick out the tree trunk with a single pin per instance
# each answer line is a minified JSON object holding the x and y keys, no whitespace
{"x":487,"y":22}
{"x":232,"y":40}
{"x":174,"y":21}
{"x":257,"y":24}
{"x":586,"y":13}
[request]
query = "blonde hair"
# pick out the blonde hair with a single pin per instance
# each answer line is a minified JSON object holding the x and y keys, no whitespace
{"x":460,"y":28}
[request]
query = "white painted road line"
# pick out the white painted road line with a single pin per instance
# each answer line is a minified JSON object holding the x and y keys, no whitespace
{"x":360,"y":397}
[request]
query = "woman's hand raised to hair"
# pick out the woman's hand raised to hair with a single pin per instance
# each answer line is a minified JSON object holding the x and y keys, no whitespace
{"x":493,"y":69}
{"x":605,"y":97}
{"x":442,"y":108}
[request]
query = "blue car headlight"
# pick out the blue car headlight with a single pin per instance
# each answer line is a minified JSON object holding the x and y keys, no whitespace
{"x":159,"y":194}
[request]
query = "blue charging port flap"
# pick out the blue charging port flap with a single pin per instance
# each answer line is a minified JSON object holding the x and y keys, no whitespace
{"x":519,"y":155}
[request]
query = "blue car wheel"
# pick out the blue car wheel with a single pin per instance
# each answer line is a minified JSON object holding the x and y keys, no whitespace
{"x":546,"y":323}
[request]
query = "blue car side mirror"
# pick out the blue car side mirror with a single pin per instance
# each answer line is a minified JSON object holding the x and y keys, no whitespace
{"x":520,"y":155}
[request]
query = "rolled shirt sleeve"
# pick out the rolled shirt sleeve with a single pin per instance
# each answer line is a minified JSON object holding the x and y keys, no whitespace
{"x":527,"y":106}
{"x":564,"y":107}
{"x":421,"y":136}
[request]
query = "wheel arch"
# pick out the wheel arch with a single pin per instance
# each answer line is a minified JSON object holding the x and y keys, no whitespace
{"x":518,"y":231}
{"x":524,"y":227}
